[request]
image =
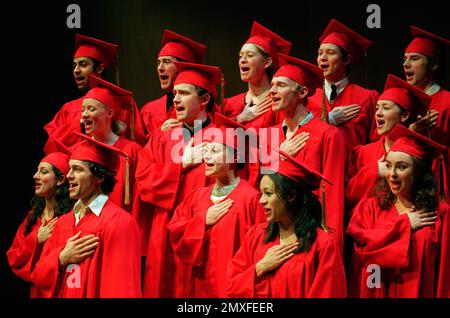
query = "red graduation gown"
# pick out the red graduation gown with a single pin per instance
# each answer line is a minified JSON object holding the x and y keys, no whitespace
{"x":114,"y":270}
{"x":236,"y":104}
{"x":317,"y":273}
{"x":323,"y":151}
{"x":137,"y":208}
{"x":164,"y":184}
{"x":210,"y":250}
{"x":24,"y":253}
{"x":154,"y":114}
{"x":67,"y":120}
{"x":360,"y":130}
{"x":409,"y":261}
{"x":362,"y":172}
{"x":441,"y":134}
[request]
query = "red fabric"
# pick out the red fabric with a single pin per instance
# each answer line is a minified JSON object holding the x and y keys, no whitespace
{"x":236,"y":104}
{"x":323,"y":152}
{"x":204,"y":76}
{"x":164,"y":184}
{"x":359,"y":130}
{"x":97,"y":49}
{"x":441,"y":134}
{"x":181,"y":47}
{"x":24,"y":253}
{"x":362,"y":172}
{"x":317,"y":273}
{"x":154,"y":114}
{"x":208,"y":251}
{"x":59,"y":160}
{"x":408,"y":260}
{"x":114,"y":270}
{"x":426,"y":43}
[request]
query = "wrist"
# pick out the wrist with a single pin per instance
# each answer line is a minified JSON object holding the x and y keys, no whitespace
{"x":259,"y":269}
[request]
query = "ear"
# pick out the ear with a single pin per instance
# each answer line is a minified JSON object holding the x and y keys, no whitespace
{"x":405,"y":116}
{"x":100,"y":69}
{"x":292,"y":195}
{"x":347,"y":59}
{"x":268,"y":62}
{"x":205,"y":100}
{"x":435,"y":66}
{"x":61,"y":180}
{"x":302,"y":93}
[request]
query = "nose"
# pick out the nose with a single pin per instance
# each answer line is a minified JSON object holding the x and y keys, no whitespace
{"x":379,"y":112}
{"x":262,"y":200}
{"x":36,"y":176}
{"x":160,"y":67}
{"x":76,"y":68}
{"x":69,"y":175}
{"x":273,"y":90}
{"x":406,"y":63}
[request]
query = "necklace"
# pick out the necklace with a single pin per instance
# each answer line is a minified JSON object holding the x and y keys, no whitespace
{"x":225,"y":190}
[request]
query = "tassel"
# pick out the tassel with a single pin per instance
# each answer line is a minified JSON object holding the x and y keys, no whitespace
{"x":117,"y":70}
{"x":428,"y":125}
{"x":324,"y":210}
{"x":127,"y":180}
{"x":133,"y":118}
{"x":222,"y":94}
{"x":324,"y":115}
{"x":441,"y":176}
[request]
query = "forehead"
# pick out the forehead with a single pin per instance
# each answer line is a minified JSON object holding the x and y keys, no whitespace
{"x":284,"y":80}
{"x":250,"y":47}
{"x":78,"y":163}
{"x":329,"y":46}
{"x":266,"y":182}
{"x":83,"y":59}
{"x":92,"y":102}
{"x":45,"y":165}
{"x":167,"y":58}
{"x":395,"y":156}
{"x":184,"y":87}
{"x":414,"y":54}
{"x":386,"y":102}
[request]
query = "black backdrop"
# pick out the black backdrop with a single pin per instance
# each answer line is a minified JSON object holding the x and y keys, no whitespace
{"x":39,"y":49}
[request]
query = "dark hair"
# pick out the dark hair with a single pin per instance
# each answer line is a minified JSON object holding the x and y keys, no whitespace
{"x":270,"y":71}
{"x":439,"y":76}
{"x":96,"y":64}
{"x":424,"y":190}
{"x":201,"y":92}
{"x":344,"y":55}
{"x":109,"y":177}
{"x":305,"y":208}
{"x":63,"y":203}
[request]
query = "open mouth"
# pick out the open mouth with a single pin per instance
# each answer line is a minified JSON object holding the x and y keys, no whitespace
{"x":37,"y":185}
{"x":79,"y":79}
{"x":72,"y":186}
{"x":245,"y":69}
{"x":164,"y":77}
{"x":324,"y":66}
{"x":395,"y":185}
{"x":275,"y":99}
{"x":180,"y":108}
{"x":409,"y":74}
{"x":380,"y":123}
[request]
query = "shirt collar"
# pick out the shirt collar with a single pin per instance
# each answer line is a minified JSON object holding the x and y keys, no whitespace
{"x":95,"y":206}
{"x":302,"y":123}
{"x":188,"y":133}
{"x":339,"y":86}
{"x":433,"y":89}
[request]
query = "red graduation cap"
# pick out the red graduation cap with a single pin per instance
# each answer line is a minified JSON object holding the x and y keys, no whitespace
{"x":181,"y":47}
{"x":426,"y":43}
{"x":410,"y":142}
{"x":59,"y":160}
{"x":204,"y":76}
{"x":269,"y":41}
{"x":300,"y":172}
{"x":405,"y":95}
{"x":58,"y":154}
{"x":103,"y":154}
{"x":302,"y":72}
{"x":339,"y":34}
{"x":97,"y":49}
{"x":109,"y":94}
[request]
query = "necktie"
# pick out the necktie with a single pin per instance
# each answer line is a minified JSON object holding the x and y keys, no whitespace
{"x":333,"y":93}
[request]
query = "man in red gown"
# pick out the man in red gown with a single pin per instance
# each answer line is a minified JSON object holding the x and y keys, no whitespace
{"x":308,"y":138}
{"x":94,"y":250}
{"x":348,"y":106}
{"x":423,"y":68}
{"x":169,"y":169}
{"x":159,"y":114}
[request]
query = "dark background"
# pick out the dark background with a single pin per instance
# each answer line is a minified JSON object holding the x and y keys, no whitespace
{"x":39,"y":50}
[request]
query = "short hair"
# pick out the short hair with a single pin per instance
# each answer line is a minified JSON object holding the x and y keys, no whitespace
{"x":109,"y":177}
{"x":201,"y":92}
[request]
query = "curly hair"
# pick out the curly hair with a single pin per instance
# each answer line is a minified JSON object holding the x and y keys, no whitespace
{"x":63,"y":203}
{"x":109,"y":177}
{"x":305,"y":208}
{"x":424,"y":190}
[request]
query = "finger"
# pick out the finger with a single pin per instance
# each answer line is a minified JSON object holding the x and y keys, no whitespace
{"x":225,"y":202}
{"x":44,"y":223}
{"x":73,"y":238}
{"x":83,"y":239}
{"x":87,"y":248}
{"x":259,"y":113}
{"x":83,"y":256}
{"x":429,"y":219}
{"x":428,"y":214}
